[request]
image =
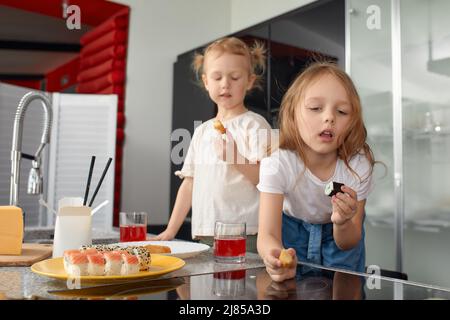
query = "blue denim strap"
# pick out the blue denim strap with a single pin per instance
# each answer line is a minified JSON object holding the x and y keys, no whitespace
{"x":304,"y":237}
{"x":315,"y":242}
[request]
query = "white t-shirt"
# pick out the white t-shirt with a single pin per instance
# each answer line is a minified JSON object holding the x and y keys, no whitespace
{"x":220,"y":191}
{"x":304,"y":196}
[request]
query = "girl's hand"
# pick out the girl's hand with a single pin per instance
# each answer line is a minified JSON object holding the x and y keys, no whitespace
{"x":163,"y":236}
{"x":344,"y":206}
{"x":274,"y":268}
{"x":226,"y":148}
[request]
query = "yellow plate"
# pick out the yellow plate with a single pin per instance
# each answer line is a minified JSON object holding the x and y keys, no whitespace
{"x":54,"y":268}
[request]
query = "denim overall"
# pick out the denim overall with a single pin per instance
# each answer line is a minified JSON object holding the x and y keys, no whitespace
{"x":314,"y":243}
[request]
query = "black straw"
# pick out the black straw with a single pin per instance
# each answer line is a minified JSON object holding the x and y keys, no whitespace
{"x":88,"y":185}
{"x":101,"y":180}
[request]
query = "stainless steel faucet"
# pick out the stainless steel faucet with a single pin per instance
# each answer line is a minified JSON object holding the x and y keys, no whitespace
{"x":35,"y":177}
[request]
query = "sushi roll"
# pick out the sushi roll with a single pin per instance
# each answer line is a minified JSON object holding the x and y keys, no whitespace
{"x":101,"y":247}
{"x":141,"y":252}
{"x":130,"y":264}
{"x":66,"y":255}
{"x":91,"y":251}
{"x":143,"y":255}
{"x":77,"y":264}
{"x":333,"y":188}
{"x":96,"y":266}
{"x":113,"y":263}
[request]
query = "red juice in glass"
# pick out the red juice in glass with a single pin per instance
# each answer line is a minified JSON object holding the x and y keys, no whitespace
{"x":230,"y":249}
{"x":136,"y":232}
{"x":229,"y":242}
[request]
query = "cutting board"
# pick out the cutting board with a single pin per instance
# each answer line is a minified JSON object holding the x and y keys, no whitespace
{"x":31,"y":253}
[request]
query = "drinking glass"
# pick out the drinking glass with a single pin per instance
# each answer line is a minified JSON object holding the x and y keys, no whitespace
{"x":229,"y":242}
{"x":133,"y":226}
{"x":229,"y":283}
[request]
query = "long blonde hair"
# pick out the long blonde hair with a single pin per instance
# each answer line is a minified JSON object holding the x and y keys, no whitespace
{"x":352,"y":141}
{"x":256,"y":55}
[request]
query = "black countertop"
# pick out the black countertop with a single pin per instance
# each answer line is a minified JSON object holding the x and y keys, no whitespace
{"x":203,"y":279}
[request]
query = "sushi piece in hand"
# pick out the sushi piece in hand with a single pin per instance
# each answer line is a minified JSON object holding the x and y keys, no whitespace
{"x":333,"y":188}
{"x":219,"y":126}
{"x":96,"y":265}
{"x":113,"y":263}
{"x":130,"y":264}
{"x":77,"y":264}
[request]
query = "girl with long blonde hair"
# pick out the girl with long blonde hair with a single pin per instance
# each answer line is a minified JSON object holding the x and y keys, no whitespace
{"x":322,"y":140}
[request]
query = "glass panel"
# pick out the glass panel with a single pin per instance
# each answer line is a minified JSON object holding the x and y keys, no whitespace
{"x":425,"y":43}
{"x":370,"y":66}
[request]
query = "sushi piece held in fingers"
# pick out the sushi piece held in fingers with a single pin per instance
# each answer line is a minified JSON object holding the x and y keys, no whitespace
{"x":113,"y":263}
{"x":130,"y":264}
{"x":77,"y":264}
{"x":96,"y":265}
{"x":219,"y":126}
{"x":333,"y":188}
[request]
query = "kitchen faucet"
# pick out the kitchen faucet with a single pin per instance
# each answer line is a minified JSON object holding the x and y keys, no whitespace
{"x":35,"y":178}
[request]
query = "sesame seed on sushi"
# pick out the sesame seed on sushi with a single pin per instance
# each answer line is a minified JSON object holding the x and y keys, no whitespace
{"x":143,"y":255}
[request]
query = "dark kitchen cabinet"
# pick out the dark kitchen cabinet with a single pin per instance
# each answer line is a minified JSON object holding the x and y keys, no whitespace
{"x":292,"y":40}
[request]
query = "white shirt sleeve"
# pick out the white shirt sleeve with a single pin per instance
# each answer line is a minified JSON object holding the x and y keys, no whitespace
{"x":272,"y":177}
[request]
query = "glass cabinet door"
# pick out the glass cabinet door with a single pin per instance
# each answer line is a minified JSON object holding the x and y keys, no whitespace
{"x":422,"y":49}
{"x":369,"y":63}
{"x":425,"y":56}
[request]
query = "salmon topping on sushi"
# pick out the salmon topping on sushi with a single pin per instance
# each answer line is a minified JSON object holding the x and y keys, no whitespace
{"x":114,"y":256}
{"x":78,"y":258}
{"x":96,"y":258}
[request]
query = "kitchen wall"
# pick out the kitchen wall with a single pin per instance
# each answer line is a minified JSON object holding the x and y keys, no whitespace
{"x":159,"y":31}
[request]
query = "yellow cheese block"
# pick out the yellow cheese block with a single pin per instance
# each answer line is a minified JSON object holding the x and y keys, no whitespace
{"x":11,"y":230}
